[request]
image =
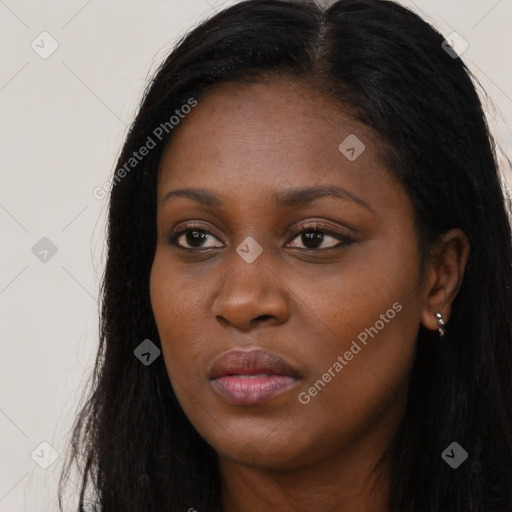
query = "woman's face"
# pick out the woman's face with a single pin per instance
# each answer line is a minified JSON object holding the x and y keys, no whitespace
{"x":301,"y":247}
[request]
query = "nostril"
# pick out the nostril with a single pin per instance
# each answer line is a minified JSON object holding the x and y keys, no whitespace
{"x":263,"y":317}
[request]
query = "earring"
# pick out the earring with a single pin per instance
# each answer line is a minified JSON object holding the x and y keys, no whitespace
{"x":440,"y":325}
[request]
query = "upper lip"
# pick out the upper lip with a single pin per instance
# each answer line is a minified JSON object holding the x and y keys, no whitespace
{"x":237,"y":362}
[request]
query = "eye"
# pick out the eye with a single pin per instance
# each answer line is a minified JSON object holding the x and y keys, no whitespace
{"x":313,"y":236}
{"x":195,"y":236}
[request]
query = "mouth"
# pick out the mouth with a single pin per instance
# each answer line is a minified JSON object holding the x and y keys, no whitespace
{"x":250,"y":378}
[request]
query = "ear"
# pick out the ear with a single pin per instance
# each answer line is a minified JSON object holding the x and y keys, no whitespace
{"x":444,"y":277}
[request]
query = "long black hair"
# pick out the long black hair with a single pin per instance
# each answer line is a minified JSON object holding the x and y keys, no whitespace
{"x":135,"y":447}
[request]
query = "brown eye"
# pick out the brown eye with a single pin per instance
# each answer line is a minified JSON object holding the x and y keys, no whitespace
{"x":194,"y":237}
{"x":312,"y":237}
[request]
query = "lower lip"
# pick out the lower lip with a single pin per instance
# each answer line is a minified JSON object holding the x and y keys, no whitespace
{"x":252,"y":390}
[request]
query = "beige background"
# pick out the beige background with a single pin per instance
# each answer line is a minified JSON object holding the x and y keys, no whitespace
{"x":62,"y":125}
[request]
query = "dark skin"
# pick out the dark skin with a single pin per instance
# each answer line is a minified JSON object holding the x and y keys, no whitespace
{"x":304,"y":302}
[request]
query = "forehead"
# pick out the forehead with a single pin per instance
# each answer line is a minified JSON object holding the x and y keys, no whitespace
{"x":266,"y":135}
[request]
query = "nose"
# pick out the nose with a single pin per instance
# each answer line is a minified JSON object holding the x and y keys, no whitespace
{"x":250,"y":294}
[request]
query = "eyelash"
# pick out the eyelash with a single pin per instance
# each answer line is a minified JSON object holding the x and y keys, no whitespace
{"x":307,"y":227}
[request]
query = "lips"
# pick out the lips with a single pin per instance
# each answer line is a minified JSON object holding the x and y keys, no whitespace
{"x":249,"y":378}
{"x":255,"y":362}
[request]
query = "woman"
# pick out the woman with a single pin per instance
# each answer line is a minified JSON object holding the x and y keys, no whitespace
{"x":307,"y":301}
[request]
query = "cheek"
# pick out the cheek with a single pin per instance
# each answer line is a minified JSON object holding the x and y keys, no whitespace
{"x":356,"y":297}
{"x":369,"y":322}
{"x":361,"y":384}
{"x":176,"y":307}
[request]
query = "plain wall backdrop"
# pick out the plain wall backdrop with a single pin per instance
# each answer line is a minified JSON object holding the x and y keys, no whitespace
{"x":63,"y":120}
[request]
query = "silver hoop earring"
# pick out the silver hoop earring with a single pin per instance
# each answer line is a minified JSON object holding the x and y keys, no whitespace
{"x":440,"y":324}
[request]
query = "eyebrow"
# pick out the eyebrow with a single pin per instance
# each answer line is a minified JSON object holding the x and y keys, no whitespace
{"x":289,"y":198}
